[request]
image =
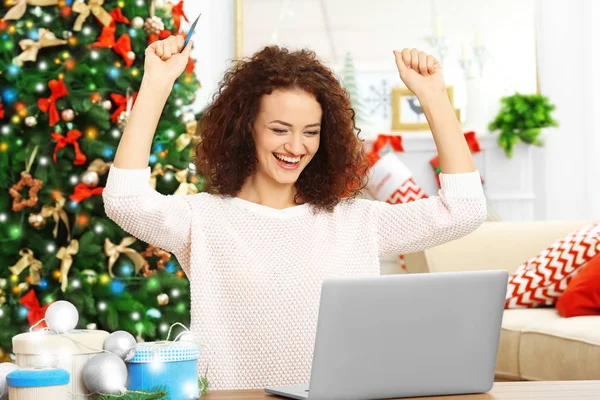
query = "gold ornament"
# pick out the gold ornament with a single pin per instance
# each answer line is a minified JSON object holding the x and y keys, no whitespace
{"x":67,"y":115}
{"x":57,"y":213}
{"x":30,"y":48}
{"x":31,"y":121}
{"x":113,"y":251}
{"x":36,"y":220}
{"x":90,"y":178}
{"x":185,"y":187}
{"x":153,"y":25}
{"x":163,"y":299}
{"x":123,"y":119}
{"x":186,"y":138}
{"x":107,"y":105}
{"x":28,"y":260}
{"x":137,"y":22}
{"x":20,"y":6}
{"x":65,"y":254}
{"x":93,"y":7}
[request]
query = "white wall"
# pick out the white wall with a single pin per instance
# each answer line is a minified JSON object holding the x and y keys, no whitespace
{"x":568,"y":166}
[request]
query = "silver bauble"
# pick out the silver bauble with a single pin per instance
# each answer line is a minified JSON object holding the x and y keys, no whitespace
{"x":5,"y":369}
{"x":137,"y":22}
{"x":105,"y":373}
{"x":30,"y":121}
{"x":90,"y":179}
{"x":121,"y":343}
{"x":62,"y":316}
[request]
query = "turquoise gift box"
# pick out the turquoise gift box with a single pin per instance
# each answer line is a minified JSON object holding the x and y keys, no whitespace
{"x":173,"y":365}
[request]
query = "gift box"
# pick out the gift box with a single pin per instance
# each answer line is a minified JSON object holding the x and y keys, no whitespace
{"x":172,"y":365}
{"x":38,"y":384}
{"x":69,"y":351}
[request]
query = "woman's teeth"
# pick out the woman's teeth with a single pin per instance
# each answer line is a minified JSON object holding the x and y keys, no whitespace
{"x":287,"y":159}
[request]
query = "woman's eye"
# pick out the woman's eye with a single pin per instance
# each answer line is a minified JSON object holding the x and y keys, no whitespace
{"x":279,"y":130}
{"x":313,"y":133}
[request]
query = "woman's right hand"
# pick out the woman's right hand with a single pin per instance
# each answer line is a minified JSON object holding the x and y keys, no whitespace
{"x":166,"y":59}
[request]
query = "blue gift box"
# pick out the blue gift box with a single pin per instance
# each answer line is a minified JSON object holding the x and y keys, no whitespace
{"x":169,"y":364}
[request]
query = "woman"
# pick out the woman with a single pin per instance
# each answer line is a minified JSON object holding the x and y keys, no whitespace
{"x":279,"y":148}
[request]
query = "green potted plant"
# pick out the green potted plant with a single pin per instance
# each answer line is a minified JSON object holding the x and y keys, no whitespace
{"x":522,"y":117}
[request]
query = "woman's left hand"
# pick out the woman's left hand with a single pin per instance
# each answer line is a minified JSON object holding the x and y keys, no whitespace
{"x":420,"y":72}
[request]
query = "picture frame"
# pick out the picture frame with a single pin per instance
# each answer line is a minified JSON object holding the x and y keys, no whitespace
{"x":407,"y":114}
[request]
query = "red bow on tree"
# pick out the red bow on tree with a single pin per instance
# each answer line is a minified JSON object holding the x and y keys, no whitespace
{"x":35,"y":313}
{"x":178,"y":12}
{"x":83,"y":192}
{"x":122,"y":46}
{"x":71,"y":138}
{"x":58,"y":89}
{"x":1,"y":111}
{"x":189,"y":69}
{"x":121,"y":102}
{"x":162,"y":35}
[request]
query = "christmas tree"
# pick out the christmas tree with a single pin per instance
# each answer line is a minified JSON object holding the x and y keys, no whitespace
{"x":69,"y":72}
{"x":349,"y":80}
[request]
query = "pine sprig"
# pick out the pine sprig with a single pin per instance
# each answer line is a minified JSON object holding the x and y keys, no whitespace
{"x":159,"y":392}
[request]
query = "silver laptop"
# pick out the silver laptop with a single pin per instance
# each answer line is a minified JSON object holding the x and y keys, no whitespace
{"x":408,"y":335}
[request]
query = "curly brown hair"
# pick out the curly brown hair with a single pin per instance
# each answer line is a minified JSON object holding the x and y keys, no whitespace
{"x":226,"y":155}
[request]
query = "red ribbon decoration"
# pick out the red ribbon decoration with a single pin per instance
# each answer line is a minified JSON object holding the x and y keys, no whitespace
{"x":1,"y":111}
{"x":82,"y":192}
{"x":122,"y":47}
{"x":162,"y":35}
{"x":394,"y":140}
{"x":121,"y":102}
{"x":178,"y":12}
{"x":35,"y":313}
{"x":472,"y":142}
{"x":71,"y":138}
{"x":106,"y":39}
{"x":58,"y":89}
{"x":189,"y":69}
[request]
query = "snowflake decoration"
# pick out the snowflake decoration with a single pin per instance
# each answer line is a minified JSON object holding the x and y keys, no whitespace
{"x":379,"y":99}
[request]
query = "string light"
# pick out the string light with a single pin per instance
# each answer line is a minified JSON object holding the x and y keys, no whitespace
{"x":114,"y":73}
{"x":12,"y":29}
{"x":9,"y":95}
{"x":29,"y":24}
{"x":170,"y":133}
{"x":14,"y":232}
{"x":3,"y":146}
{"x":121,"y":4}
{"x":1,"y":313}
{"x":118,"y":64}
{"x":13,"y":69}
{"x":115,"y":133}
{"x":87,"y":30}
{"x":179,"y":102}
{"x":15,"y":119}
{"x":164,"y":327}
{"x":104,"y":279}
{"x":3,"y":217}
{"x":91,"y":133}
{"x":83,"y":220}
{"x":98,"y":229}
{"x":70,"y":64}
{"x":19,"y":142}
{"x":43,"y":160}
{"x":65,"y":55}
{"x":92,"y":86}
{"x":5,"y":130}
{"x":57,"y":60}
{"x":51,"y":248}
{"x":39,"y":87}
{"x":76,"y":283}
{"x":175,"y":293}
{"x":102,"y":306}
{"x":93,"y":70}
{"x":56,"y":274}
{"x":73,"y":41}
{"x":168,"y":176}
{"x":43,"y":65}
{"x":135,"y":316}
{"x":74,"y":179}
{"x":94,"y":54}
{"x":47,"y":19}
{"x":61,"y":76}
{"x":135,"y":72}
{"x":117,"y":287}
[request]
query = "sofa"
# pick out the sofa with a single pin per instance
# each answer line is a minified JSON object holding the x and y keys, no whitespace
{"x":535,"y":344}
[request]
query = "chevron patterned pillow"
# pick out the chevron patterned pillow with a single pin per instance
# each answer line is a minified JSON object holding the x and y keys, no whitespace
{"x":542,"y":279}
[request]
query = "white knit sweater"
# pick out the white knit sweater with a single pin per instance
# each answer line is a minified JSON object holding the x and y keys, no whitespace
{"x":255,"y":272}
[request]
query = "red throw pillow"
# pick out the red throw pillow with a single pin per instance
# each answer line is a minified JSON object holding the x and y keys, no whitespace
{"x":542,"y":279}
{"x":582,"y":296}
